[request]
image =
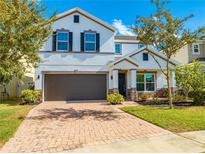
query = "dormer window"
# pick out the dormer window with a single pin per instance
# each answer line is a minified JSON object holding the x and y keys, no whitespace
{"x":90,"y":42}
{"x":76,"y":18}
{"x":195,"y":49}
{"x":62,"y":41}
{"x":145,"y":57}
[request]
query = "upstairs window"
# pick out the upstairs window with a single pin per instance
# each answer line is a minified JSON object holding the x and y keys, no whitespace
{"x":195,"y":49}
{"x":90,"y":42}
{"x":62,"y":41}
{"x":145,"y":57}
{"x":145,"y":82}
{"x":76,"y":18}
{"x":118,"y":48}
{"x":141,"y":46}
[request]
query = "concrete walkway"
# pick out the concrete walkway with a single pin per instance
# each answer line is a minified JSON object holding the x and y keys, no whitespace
{"x":198,"y":136}
{"x":169,"y":143}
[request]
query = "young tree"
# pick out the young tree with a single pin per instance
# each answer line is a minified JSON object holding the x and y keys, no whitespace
{"x":190,"y":77}
{"x":166,"y":33}
{"x":23,"y":31}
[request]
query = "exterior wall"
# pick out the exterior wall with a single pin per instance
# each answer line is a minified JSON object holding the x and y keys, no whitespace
{"x":185,"y":54}
{"x":182,"y":55}
{"x":71,"y":62}
{"x":106,"y":36}
{"x":194,"y":56}
{"x":76,"y":61}
{"x":151,"y":63}
{"x":127,"y":47}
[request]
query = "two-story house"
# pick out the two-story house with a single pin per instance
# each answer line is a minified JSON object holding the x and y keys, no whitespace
{"x":190,"y":52}
{"x":84,"y":60}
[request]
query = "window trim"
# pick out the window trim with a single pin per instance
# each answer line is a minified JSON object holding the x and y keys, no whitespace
{"x":74,"y":16}
{"x":90,"y":42}
{"x":196,"y":53}
{"x":145,"y":82}
{"x":143,"y":56}
{"x":62,"y":31}
{"x":120,"y":49}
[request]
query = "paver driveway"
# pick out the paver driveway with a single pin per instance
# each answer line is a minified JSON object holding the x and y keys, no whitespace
{"x":59,"y":126}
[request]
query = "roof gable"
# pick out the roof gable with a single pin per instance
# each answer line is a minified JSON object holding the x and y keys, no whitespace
{"x":87,"y":15}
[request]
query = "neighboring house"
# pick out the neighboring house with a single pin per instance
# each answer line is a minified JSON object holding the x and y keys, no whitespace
{"x":195,"y":51}
{"x":84,"y":60}
{"x":15,"y":86}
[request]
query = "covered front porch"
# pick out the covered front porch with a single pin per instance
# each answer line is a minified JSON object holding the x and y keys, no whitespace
{"x":130,"y":80}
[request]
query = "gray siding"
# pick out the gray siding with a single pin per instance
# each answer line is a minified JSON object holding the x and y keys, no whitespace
{"x":195,"y":56}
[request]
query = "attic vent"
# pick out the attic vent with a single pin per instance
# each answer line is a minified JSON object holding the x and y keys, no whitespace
{"x":76,"y":18}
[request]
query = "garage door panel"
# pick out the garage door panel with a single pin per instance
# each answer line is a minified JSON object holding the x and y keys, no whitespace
{"x":65,"y":87}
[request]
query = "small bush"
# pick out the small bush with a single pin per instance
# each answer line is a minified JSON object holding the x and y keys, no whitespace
{"x":30,"y":96}
{"x":161,"y":93}
{"x":198,"y":97}
{"x":144,"y":97}
{"x":115,"y":98}
{"x":179,"y":98}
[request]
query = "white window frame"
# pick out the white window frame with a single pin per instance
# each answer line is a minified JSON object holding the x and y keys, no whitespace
{"x":145,"y":86}
{"x":120,"y":49}
{"x":90,"y":42}
{"x":62,"y":40}
{"x":196,"y":53}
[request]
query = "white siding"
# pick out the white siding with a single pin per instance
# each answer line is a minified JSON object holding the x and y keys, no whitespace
{"x":106,"y":36}
{"x":151,"y":63}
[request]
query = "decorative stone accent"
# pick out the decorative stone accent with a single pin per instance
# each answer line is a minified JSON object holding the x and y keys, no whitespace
{"x":132,"y":94}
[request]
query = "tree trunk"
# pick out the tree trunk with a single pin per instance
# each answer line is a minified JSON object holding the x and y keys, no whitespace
{"x":186,"y":95}
{"x":168,"y":86}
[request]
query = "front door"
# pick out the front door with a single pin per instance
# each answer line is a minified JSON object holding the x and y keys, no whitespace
{"x":122,"y":84}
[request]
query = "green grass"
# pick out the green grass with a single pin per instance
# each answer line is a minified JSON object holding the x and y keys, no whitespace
{"x":11,"y":116}
{"x":180,"y":119}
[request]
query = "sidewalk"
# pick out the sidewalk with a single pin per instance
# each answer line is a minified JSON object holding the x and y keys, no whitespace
{"x":165,"y":143}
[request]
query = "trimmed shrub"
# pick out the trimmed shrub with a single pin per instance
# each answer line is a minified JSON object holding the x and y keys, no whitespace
{"x":30,"y":96}
{"x":115,"y":98}
{"x":179,"y":98}
{"x":198,"y":97}
{"x":144,"y":96}
{"x":161,"y":93}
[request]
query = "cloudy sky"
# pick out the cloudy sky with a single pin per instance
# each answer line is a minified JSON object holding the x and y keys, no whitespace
{"x":122,"y":13}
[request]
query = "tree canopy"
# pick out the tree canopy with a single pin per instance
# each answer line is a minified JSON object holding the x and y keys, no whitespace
{"x":23,"y":31}
{"x":166,"y":33}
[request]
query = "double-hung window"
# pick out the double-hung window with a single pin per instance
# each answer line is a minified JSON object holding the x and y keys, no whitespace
{"x":90,"y":42}
{"x":118,"y":48}
{"x":195,"y":49}
{"x":62,"y":41}
{"x":145,"y":82}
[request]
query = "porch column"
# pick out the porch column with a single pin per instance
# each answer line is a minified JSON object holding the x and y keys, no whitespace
{"x":115,"y":80}
{"x":132,"y":91}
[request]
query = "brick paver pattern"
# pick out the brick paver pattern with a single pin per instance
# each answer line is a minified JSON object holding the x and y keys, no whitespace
{"x":60,"y":126}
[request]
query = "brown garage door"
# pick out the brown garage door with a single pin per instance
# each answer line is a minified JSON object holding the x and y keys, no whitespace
{"x":68,"y":87}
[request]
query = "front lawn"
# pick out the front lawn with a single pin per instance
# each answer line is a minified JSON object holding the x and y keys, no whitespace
{"x":11,"y":116}
{"x":180,"y":119}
